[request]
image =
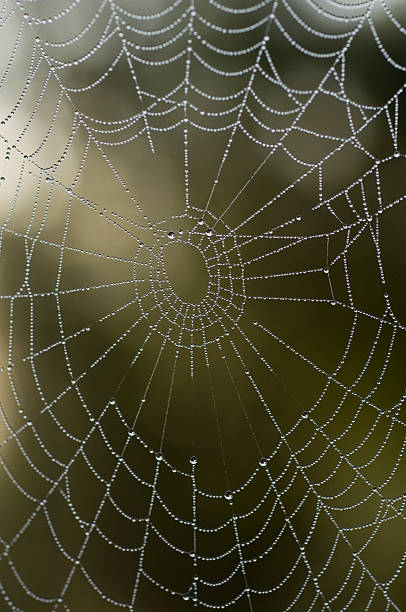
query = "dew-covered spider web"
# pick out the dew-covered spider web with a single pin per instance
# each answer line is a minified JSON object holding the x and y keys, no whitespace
{"x":202,"y":359}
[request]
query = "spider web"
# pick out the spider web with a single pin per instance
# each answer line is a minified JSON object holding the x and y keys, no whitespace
{"x":203,"y":336}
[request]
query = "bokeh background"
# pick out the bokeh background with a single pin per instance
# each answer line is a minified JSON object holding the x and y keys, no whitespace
{"x":104,"y":258}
